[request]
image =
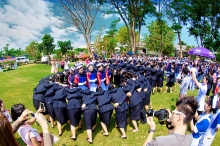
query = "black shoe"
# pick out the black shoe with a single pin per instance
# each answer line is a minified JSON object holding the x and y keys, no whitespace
{"x":60,"y":134}
{"x":90,"y":142}
{"x":105,"y":134}
{"x":73,"y":138}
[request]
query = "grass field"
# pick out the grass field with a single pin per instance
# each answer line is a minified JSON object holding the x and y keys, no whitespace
{"x":17,"y":86}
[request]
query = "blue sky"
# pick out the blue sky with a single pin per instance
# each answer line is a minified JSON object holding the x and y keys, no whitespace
{"x":23,"y":21}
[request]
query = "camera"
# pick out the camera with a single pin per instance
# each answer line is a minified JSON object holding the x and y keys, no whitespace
{"x":162,"y":115}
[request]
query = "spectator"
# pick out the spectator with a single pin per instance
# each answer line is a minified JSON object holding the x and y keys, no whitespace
{"x":62,"y":64}
{"x":210,"y":84}
{"x":192,"y":84}
{"x":29,"y":135}
{"x":7,"y":137}
{"x":66,"y":64}
{"x":201,"y":92}
{"x":201,"y":125}
{"x":179,"y":119}
{"x":213,"y":128}
{"x":185,"y":83}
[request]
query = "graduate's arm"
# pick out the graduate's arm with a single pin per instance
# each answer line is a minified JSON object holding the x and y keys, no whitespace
{"x":195,"y":80}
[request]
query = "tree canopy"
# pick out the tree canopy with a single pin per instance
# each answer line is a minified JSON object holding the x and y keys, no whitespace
{"x":132,"y":13}
{"x":46,"y":46}
{"x":64,"y":46}
{"x":160,"y":37}
{"x":31,"y":50}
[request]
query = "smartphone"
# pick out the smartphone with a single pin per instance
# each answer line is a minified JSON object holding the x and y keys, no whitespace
{"x":42,"y":106}
{"x":32,"y":114}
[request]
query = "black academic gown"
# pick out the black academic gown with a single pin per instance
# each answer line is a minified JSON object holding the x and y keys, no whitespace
{"x":105,"y":106}
{"x":90,"y":110}
{"x":74,"y":98}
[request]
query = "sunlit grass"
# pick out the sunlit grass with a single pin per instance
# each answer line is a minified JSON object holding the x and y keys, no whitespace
{"x":17,"y":86}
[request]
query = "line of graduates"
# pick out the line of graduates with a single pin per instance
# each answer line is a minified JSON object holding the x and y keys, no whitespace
{"x":89,"y":91}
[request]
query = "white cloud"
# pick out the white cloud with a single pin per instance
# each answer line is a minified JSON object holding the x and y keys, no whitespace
{"x":23,"y":21}
{"x":96,"y":32}
{"x":107,"y":16}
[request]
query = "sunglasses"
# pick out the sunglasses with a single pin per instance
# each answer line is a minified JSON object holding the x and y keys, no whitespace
{"x":178,"y":113}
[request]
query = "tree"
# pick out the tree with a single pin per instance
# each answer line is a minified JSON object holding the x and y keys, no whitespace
{"x":154,"y":41}
{"x":108,"y":42}
{"x":203,"y":25}
{"x":10,"y":52}
{"x":123,"y":36}
{"x":47,"y":46}
{"x":81,"y":14}
{"x":19,"y":52}
{"x":32,"y":50}
{"x":132,"y":13}
{"x":175,"y":12}
{"x":64,"y":46}
{"x":6,"y":47}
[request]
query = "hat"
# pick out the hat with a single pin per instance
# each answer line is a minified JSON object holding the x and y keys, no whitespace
{"x":72,"y":68}
{"x":218,"y":76}
{"x":80,"y":63}
{"x":79,"y":66}
{"x":91,"y":63}
{"x":105,"y":64}
{"x":99,"y":64}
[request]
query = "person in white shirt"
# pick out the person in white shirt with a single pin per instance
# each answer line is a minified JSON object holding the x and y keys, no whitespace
{"x":66,"y":64}
{"x":192,"y":84}
{"x":201,"y":92}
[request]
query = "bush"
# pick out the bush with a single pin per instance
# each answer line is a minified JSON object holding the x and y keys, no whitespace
{"x":218,"y":56}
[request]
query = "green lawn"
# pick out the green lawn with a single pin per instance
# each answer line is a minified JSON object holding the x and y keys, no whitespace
{"x":17,"y":86}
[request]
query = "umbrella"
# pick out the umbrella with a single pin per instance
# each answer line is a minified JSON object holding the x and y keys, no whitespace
{"x":130,"y":53}
{"x":200,"y":51}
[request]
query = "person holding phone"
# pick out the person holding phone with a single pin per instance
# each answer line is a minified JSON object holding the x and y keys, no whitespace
{"x":29,"y":135}
{"x":7,"y":130}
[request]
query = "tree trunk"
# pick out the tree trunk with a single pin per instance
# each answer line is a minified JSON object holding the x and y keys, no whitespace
{"x":134,"y":47}
{"x":88,"y":46}
{"x":159,"y":53}
{"x":181,"y":51}
{"x":48,"y":60}
{"x":134,"y":50}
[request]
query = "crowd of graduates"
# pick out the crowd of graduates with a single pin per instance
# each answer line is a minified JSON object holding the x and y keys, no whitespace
{"x":122,"y":84}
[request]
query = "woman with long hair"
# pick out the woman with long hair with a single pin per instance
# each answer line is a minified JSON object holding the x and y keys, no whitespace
{"x":7,"y":136}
